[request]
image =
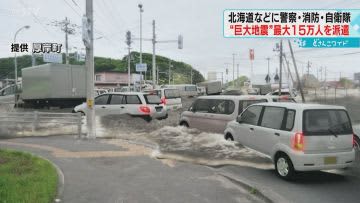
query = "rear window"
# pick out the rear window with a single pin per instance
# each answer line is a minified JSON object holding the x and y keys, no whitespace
{"x":152,"y":99}
{"x":291,"y":100}
{"x":172,"y":93}
{"x":326,"y":122}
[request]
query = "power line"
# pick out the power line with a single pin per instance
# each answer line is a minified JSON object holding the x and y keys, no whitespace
{"x":37,"y":20}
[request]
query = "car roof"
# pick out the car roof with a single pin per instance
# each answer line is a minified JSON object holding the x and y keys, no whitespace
{"x":301,"y":106}
{"x":236,"y":97}
{"x":128,"y":93}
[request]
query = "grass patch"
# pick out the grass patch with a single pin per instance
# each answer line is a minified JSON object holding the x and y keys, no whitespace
{"x":26,"y":178}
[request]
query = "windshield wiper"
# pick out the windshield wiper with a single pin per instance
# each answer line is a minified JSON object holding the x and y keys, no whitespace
{"x":332,"y":132}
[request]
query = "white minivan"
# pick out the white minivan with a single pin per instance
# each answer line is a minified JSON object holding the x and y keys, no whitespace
{"x":297,"y":137}
{"x":212,"y":113}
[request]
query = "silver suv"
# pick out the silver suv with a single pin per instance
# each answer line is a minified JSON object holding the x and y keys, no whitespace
{"x":297,"y":137}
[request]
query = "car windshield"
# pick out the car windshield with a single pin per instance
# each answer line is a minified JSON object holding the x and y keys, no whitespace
{"x":326,"y":122}
{"x":152,"y":99}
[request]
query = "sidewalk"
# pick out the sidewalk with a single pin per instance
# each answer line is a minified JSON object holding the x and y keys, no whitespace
{"x":117,"y":171}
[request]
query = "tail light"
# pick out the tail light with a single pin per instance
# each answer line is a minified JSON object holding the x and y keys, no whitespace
{"x":297,"y":141}
{"x":163,"y":100}
{"x":144,"y":109}
{"x":354,"y":141}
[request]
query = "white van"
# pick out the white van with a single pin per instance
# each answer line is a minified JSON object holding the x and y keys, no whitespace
{"x":212,"y":113}
{"x":170,"y":97}
{"x":297,"y":137}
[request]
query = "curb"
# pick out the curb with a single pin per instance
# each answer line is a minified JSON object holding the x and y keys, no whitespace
{"x":265,"y":194}
{"x":61,"y":179}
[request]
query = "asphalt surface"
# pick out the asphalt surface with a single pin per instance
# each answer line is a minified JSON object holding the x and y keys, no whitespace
{"x":116,"y":171}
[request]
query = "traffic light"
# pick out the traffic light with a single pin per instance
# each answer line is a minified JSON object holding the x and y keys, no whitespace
{"x":128,"y":38}
{"x":180,"y":42}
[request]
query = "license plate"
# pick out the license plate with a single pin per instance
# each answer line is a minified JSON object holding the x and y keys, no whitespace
{"x":158,"y":109}
{"x":330,"y":160}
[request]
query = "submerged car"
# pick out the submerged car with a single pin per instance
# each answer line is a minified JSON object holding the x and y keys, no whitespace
{"x":297,"y":137}
{"x":212,"y":113}
{"x":132,"y":103}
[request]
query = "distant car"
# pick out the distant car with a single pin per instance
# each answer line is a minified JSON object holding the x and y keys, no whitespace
{"x":212,"y":113}
{"x":283,"y":92}
{"x":297,"y":137}
{"x":169,"y":97}
{"x":132,"y":103}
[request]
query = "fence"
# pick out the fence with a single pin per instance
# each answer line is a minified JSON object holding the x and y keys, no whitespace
{"x":37,"y":119}
{"x":330,"y":95}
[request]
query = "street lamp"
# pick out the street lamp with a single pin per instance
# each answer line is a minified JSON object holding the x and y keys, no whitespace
{"x":15,"y":61}
{"x":141,"y":11}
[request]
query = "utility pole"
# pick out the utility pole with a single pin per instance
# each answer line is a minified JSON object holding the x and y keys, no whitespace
{"x":281,"y":53}
{"x":234,"y":82}
{"x":128,"y":42}
{"x":169,"y":70}
{"x":191,"y":76}
{"x":69,"y":29}
{"x":297,"y":73}
{"x":222,"y":79}
{"x":154,"y":56}
{"x":237,"y":75}
{"x":89,"y":44}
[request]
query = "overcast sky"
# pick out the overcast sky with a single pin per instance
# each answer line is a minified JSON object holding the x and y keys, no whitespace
{"x":199,"y":21}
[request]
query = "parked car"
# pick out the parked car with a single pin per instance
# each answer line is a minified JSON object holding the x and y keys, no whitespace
{"x":297,"y":137}
{"x":170,"y":97}
{"x":135,"y":104}
{"x":284,"y":92}
{"x":212,"y":113}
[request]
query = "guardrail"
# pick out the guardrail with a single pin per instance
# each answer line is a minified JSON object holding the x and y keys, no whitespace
{"x":36,"y":118}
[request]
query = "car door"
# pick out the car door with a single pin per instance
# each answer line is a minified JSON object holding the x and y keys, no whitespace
{"x":132,"y":105}
{"x":269,"y":130}
{"x":116,"y":104}
{"x":247,"y":126}
{"x":197,"y":114}
{"x":220,"y":113}
{"x":101,"y":105}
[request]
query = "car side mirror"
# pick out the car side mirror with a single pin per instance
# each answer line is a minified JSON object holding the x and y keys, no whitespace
{"x":239,"y":119}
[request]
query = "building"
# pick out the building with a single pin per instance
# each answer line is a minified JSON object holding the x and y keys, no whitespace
{"x":357,"y":79}
{"x":110,"y":79}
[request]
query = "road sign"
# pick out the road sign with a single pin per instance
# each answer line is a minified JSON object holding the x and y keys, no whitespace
{"x":52,"y":58}
{"x":141,"y":67}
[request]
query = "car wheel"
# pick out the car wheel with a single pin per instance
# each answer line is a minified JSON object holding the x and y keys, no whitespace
{"x":284,"y":167}
{"x":229,"y":137}
{"x":357,"y":143}
{"x":185,"y":124}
